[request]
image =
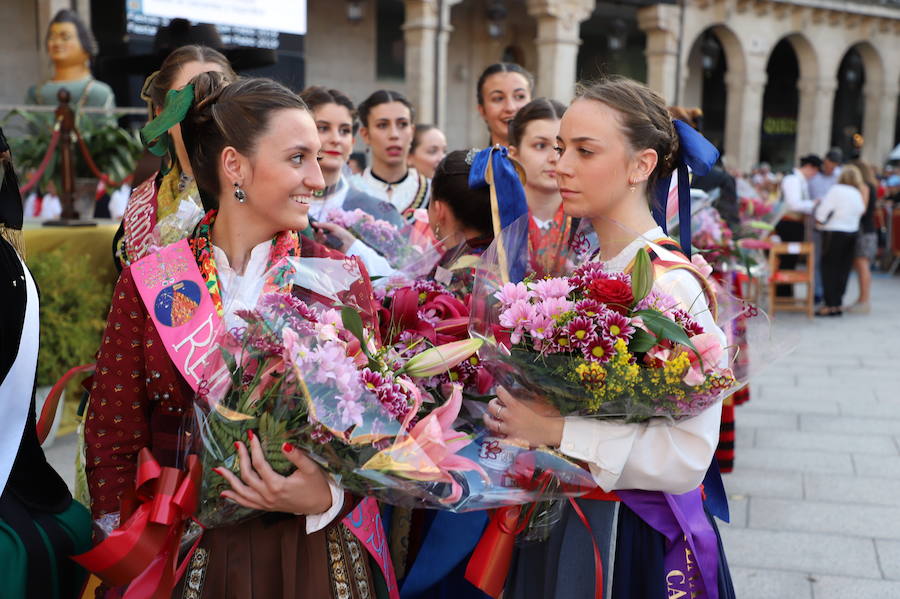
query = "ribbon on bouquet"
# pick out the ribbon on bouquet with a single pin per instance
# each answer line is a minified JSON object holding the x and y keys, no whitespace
{"x":143,"y":551}
{"x":489,"y":565}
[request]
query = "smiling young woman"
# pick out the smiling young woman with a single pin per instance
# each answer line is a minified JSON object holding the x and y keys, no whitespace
{"x":386,"y":119}
{"x":502,"y":89}
{"x":253,"y":147}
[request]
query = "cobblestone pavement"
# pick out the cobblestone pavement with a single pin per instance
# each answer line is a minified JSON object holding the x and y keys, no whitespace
{"x":815,"y":494}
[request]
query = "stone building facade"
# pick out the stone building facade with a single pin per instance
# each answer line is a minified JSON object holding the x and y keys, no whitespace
{"x":834,"y":65}
{"x":776,"y":78}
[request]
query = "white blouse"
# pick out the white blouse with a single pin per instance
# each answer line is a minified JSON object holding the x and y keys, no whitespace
{"x":242,"y":292}
{"x":659,"y":455}
{"x":840,"y":209}
{"x":401,"y":195}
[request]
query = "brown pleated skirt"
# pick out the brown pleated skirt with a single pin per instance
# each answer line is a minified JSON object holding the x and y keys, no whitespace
{"x":272,"y":557}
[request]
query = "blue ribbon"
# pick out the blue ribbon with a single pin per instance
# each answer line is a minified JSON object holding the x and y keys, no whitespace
{"x":511,"y":202}
{"x":450,"y":539}
{"x":698,"y":154}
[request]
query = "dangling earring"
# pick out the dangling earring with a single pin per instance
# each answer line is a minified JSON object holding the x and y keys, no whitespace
{"x":239,"y":194}
{"x":632,"y":185}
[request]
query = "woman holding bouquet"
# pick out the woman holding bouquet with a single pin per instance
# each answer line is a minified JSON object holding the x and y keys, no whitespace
{"x":152,"y":213}
{"x":616,"y":143}
{"x":387,"y":120}
{"x":532,"y":142}
{"x":336,"y":123}
{"x":253,"y":149}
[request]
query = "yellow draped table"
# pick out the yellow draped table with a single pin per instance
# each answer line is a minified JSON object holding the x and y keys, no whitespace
{"x":95,"y":242}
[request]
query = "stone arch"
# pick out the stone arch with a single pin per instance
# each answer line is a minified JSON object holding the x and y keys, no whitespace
{"x":860,"y":79}
{"x":716,"y":56}
{"x":780,"y":107}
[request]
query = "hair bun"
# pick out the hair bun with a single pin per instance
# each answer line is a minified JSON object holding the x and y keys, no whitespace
{"x":207,"y":88}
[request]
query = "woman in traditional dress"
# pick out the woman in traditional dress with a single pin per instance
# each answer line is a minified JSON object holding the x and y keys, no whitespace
{"x":253,"y":149}
{"x":386,"y":119}
{"x":165,"y":207}
{"x":616,"y":141}
{"x":502,"y":89}
{"x":336,"y":123}
{"x":40,"y":524}
{"x":532,"y":142}
{"x":429,"y":146}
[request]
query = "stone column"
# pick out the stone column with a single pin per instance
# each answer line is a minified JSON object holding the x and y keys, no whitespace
{"x":660,"y":22}
{"x":815,"y":115}
{"x":743,"y":117}
{"x":426,"y":36}
{"x":558,"y":38}
{"x":878,"y":122}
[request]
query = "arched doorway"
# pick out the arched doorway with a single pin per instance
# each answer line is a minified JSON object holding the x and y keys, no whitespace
{"x":705,"y":85}
{"x":781,"y":104}
{"x":849,"y":102}
{"x":612,"y":44}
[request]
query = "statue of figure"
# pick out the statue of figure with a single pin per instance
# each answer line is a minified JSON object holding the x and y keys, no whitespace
{"x":71,"y":47}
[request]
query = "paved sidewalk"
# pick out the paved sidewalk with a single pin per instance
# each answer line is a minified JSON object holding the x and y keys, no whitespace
{"x":815,"y":495}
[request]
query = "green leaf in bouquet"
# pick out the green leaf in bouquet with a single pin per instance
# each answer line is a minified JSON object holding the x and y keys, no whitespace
{"x":641,"y":275}
{"x":665,"y":328}
{"x":641,"y":342}
{"x":353,"y":322}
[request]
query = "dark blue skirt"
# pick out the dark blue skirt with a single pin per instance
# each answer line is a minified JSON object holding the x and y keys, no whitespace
{"x":563,"y":566}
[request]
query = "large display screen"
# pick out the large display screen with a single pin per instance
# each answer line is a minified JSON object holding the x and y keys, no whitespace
{"x":287,"y":16}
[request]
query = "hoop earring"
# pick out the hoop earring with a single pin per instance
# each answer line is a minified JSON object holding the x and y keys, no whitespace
{"x":239,"y":194}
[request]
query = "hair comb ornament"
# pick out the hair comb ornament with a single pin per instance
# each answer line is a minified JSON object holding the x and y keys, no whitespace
{"x":470,"y":155}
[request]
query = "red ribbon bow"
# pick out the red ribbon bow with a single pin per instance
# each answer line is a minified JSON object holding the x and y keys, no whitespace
{"x":143,"y":552}
{"x":489,"y":565}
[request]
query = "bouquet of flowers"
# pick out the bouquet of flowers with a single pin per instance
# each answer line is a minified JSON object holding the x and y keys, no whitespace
{"x":306,"y":368}
{"x":419,"y":314}
{"x":403,"y":248}
{"x":599,"y":343}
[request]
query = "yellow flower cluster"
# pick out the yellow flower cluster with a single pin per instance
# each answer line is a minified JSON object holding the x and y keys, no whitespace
{"x":620,"y":387}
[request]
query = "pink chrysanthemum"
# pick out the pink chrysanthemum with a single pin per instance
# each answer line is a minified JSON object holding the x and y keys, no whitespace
{"x":541,"y":326}
{"x":589,"y":307}
{"x":586,"y":273}
{"x":553,"y":307}
{"x":581,"y":331}
{"x":687,"y":322}
{"x":615,"y":326}
{"x":551,"y":288}
{"x":516,"y":318}
{"x":600,"y":349}
{"x":511,"y":293}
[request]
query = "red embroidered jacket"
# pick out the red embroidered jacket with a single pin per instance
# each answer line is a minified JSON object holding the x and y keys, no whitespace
{"x":138,"y":398}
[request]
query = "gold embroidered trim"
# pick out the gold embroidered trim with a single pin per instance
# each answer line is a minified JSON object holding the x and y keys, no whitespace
{"x":196,"y":574}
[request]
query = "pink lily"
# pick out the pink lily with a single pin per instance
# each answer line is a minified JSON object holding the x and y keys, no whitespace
{"x":429,"y":452}
{"x":710,"y":352}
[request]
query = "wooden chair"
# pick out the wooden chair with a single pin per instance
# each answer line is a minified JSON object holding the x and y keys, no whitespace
{"x":779,"y":276}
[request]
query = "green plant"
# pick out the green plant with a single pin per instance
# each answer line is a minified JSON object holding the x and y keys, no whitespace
{"x":73,"y":311}
{"x":115,"y":150}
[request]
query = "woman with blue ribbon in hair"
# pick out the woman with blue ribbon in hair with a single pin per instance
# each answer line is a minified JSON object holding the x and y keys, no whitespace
{"x":647,"y":532}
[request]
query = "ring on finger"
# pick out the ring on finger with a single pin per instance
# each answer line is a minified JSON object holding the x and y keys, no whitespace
{"x":499,"y":411}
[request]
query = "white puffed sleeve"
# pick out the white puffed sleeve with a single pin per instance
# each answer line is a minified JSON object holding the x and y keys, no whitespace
{"x":658,"y":455}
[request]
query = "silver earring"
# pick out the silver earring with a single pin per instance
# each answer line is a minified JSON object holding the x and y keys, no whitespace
{"x":239,"y":194}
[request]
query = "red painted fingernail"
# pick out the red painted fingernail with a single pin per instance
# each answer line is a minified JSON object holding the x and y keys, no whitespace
{"x":250,"y":434}
{"x":287,"y":448}
{"x":237,"y":444}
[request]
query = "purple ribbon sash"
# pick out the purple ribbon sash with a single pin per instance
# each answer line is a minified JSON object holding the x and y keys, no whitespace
{"x":692,"y":550}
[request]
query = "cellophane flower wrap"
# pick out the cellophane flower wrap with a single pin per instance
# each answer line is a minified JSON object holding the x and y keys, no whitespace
{"x":308,"y":366}
{"x":598,"y":343}
{"x":405,"y":249}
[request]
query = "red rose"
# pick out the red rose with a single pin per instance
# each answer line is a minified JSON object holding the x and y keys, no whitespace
{"x":614,"y":293}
